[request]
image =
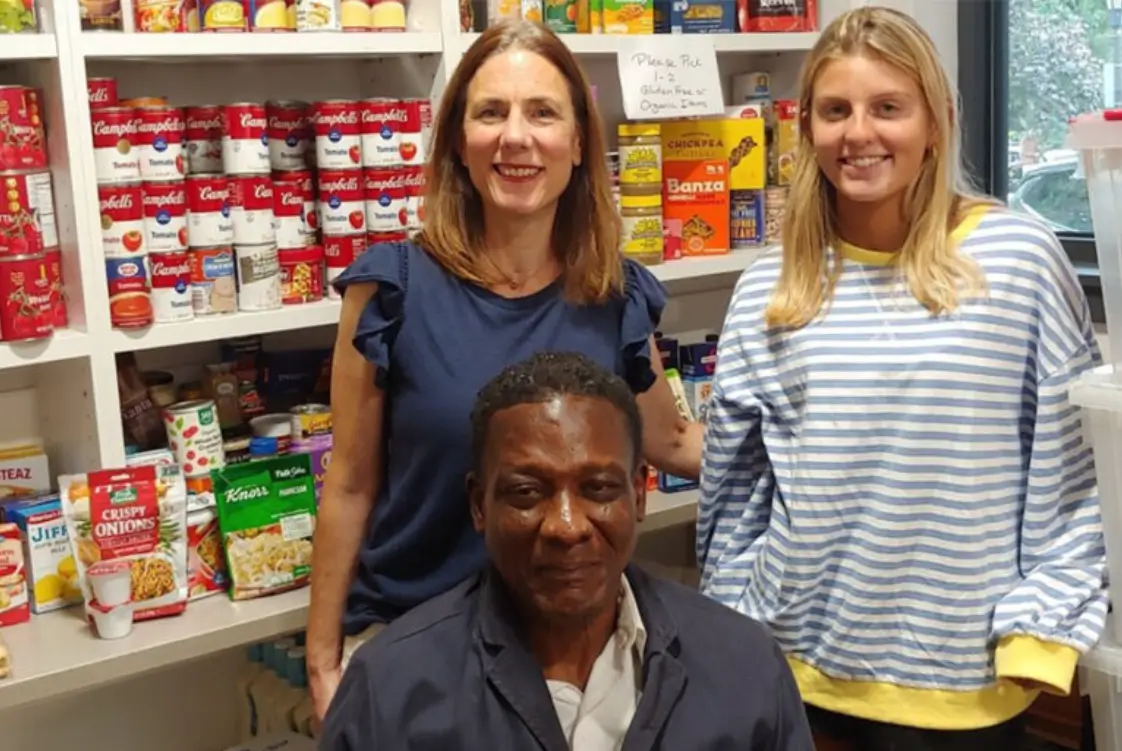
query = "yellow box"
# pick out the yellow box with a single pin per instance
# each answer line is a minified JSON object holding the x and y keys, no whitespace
{"x":628,"y":16}
{"x":746,"y":150}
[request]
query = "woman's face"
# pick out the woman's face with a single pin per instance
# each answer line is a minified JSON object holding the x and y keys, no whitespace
{"x":870,"y":128}
{"x":521,"y":139}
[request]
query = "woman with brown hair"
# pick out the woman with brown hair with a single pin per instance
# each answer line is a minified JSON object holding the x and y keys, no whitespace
{"x":519,"y":253}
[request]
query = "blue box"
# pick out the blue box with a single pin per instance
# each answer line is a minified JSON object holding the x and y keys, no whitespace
{"x":695,"y":16}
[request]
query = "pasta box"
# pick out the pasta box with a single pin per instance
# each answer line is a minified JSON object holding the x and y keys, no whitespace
{"x":695,"y":16}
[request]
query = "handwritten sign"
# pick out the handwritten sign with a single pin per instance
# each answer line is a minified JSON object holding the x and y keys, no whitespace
{"x":667,"y":76}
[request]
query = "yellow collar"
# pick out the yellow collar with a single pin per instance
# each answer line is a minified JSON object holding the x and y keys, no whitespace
{"x":879,"y":258}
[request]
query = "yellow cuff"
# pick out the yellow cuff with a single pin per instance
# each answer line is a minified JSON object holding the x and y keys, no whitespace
{"x":1026,"y":658}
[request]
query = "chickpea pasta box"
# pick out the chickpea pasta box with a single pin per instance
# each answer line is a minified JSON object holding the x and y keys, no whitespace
{"x":267,"y":516}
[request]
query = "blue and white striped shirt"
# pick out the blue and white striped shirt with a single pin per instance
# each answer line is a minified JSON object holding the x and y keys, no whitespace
{"x":893,"y":493}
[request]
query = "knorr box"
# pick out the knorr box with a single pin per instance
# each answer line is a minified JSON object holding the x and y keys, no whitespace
{"x":267,"y":516}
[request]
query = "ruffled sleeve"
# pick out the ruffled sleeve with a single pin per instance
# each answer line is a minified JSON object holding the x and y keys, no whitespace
{"x":388,"y":265}
{"x":644,"y":301}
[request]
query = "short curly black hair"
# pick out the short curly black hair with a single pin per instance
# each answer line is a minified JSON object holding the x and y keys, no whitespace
{"x":544,"y":376}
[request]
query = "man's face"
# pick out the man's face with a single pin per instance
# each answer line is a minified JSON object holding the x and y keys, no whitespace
{"x":558,"y":500}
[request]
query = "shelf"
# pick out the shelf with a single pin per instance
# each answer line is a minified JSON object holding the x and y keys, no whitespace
{"x":216,"y":327}
{"x":699,"y":268}
{"x":607,"y":44}
{"x":28,"y":47}
{"x":56,"y":654}
{"x":159,"y":47}
{"x":1106,"y":657}
{"x":62,"y":345}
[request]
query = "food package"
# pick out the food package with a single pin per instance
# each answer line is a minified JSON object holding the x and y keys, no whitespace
{"x":142,"y":423}
{"x":51,"y":571}
{"x":206,"y":565}
{"x":13,"y":578}
{"x":267,"y":516}
{"x":138,"y":514}
{"x":24,"y":469}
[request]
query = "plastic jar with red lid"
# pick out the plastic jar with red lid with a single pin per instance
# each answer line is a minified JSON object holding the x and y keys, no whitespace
{"x":301,"y":274}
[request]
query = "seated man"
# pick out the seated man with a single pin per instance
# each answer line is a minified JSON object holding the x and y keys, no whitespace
{"x":560,"y":644}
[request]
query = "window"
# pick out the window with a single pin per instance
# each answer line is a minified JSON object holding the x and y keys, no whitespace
{"x":1025,"y":67}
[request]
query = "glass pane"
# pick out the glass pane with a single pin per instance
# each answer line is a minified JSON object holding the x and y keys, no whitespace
{"x":1064,"y":56}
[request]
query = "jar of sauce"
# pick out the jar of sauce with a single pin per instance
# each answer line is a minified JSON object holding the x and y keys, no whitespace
{"x":642,"y":228}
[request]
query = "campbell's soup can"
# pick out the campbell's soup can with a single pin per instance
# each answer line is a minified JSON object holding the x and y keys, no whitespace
{"x":251,"y":208}
{"x":308,"y":192}
{"x":385,"y":199}
{"x":165,"y":216}
{"x":209,"y":219}
{"x":122,"y":220}
{"x":382,"y":121}
{"x":381,"y":238}
{"x":116,"y":158}
{"x":27,"y":213}
{"x":414,"y":179}
{"x":289,"y":130}
{"x":102,"y":92}
{"x":412,"y":146}
{"x":341,"y":202}
{"x":159,"y":137}
{"x":171,"y":286}
{"x":288,"y":213}
{"x":339,"y":252}
{"x":214,"y":287}
{"x":338,"y":130}
{"x":130,"y":304}
{"x":203,"y":137}
{"x":21,"y":128}
{"x":245,"y":139}
{"x":25,"y":298}
{"x":59,"y":317}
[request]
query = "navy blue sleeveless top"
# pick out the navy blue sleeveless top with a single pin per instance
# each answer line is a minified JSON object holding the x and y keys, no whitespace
{"x":436,"y":341}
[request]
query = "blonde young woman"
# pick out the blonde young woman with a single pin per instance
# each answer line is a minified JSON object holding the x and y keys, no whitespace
{"x":893,"y":478}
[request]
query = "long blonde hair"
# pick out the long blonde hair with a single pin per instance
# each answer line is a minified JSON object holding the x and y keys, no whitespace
{"x":936,"y":273}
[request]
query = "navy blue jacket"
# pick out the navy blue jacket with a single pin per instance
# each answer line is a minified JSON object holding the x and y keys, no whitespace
{"x":454,"y":675}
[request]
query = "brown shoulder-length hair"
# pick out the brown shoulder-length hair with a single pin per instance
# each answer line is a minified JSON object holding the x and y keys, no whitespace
{"x":586,"y":230}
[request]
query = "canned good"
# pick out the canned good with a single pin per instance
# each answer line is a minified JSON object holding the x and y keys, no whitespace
{"x":245,"y":139}
{"x":341,"y":202}
{"x":310,"y":420}
{"x":301,"y":275}
{"x":387,"y":15}
{"x":209,"y":222}
{"x":317,"y":15}
{"x":414,"y":178}
{"x":59,"y":317}
{"x":102,"y":92}
{"x":116,"y":159}
{"x":171,"y":286}
{"x":340,"y":252}
{"x":642,"y":228}
{"x":222,"y":15}
{"x":122,"y":220}
{"x":412,"y":146}
{"x":318,"y":448}
{"x":165,"y":216}
{"x":27,"y":213}
{"x":100,"y":16}
{"x":251,"y":209}
{"x":308,"y":192}
{"x":25,"y":294}
{"x":194,"y":436}
{"x":159,"y":139}
{"x":166,"y":16}
{"x":130,"y":304}
{"x":140,"y":102}
{"x":640,"y":158}
{"x":289,"y":131}
{"x":213,"y":286}
{"x":338,"y":132}
{"x":382,"y":120}
{"x":23,"y":142}
{"x":747,"y":222}
{"x":288,"y":213}
{"x":258,"y":277}
{"x":203,"y":136}
{"x":385,"y":199}
{"x":277,"y":426}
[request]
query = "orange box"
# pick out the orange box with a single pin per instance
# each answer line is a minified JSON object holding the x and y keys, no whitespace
{"x":695,"y":188}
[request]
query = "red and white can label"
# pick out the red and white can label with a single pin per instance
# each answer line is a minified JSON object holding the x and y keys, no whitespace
{"x":382,"y":121}
{"x":245,"y":140}
{"x":21,"y":125}
{"x":27,"y":213}
{"x":171,"y":286}
{"x":122,"y":220}
{"x":289,"y":129}
{"x":288,"y":211}
{"x":341,"y":202}
{"x":380,"y":238}
{"x":209,"y":220}
{"x":102,"y":92}
{"x":204,"y":139}
{"x":338,"y":129}
{"x":386,"y":205}
{"x":308,"y":191}
{"x":165,"y":216}
{"x":159,"y":138}
{"x":414,"y":177}
{"x":339,"y":252}
{"x":25,"y":298}
{"x":412,"y":146}
{"x":116,"y":158}
{"x":251,"y":207}
{"x":60,"y":319}
{"x":130,"y":304}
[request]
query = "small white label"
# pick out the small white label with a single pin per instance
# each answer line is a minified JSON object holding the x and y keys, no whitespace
{"x":297,"y":527}
{"x":668,"y":76}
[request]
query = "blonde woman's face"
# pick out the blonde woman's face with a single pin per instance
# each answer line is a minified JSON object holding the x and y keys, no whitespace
{"x":870,"y":129}
{"x":520,"y":134}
